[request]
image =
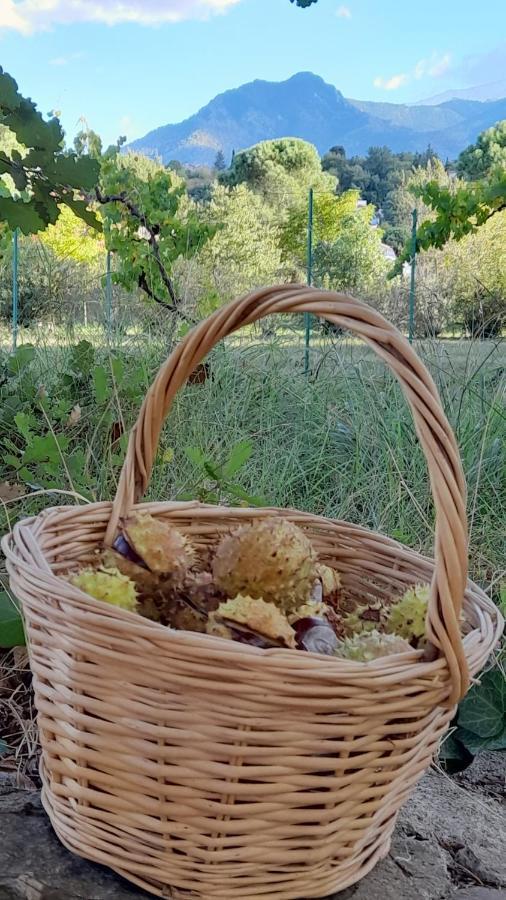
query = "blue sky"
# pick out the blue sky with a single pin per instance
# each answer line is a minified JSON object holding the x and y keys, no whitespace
{"x":133,"y":65}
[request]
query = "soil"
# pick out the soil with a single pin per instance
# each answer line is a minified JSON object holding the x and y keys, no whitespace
{"x":448,"y":845}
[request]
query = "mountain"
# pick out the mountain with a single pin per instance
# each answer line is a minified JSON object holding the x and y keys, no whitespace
{"x":305,"y":106}
{"x":494,"y":90}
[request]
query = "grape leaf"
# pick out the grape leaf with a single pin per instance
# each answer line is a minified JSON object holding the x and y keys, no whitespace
{"x":483,"y":711}
{"x":21,"y":358}
{"x":11,"y":623}
{"x":21,"y":215}
{"x":476,"y":744}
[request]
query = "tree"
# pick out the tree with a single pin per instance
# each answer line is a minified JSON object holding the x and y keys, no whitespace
{"x":141,"y":207}
{"x":329,"y":212}
{"x":88,"y":141}
{"x":48,"y":282}
{"x":145,"y":224}
{"x":37,"y":175}
{"x":71,"y":238}
{"x":350,"y":173}
{"x":488,"y":153}
{"x":354,"y":261}
{"x":458,"y":212}
{"x":140,"y":200}
{"x":476,"y":272}
{"x":282,"y":170}
{"x":399,"y":202}
{"x":219,"y":161}
{"x":243,"y":253}
{"x":304,"y":3}
{"x":462,"y":207}
{"x":375,"y":175}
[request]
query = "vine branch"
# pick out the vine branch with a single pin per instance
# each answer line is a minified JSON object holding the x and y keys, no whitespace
{"x":153,"y":232}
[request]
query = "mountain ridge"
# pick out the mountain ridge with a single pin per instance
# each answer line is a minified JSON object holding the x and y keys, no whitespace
{"x":492,"y":90}
{"x":310,"y":108}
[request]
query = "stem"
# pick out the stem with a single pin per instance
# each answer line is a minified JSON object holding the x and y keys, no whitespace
{"x":153,"y":231}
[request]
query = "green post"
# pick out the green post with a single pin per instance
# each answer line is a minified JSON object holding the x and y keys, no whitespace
{"x":411,"y":331}
{"x":108,"y":294}
{"x":307,"y":316}
{"x":14,"y":289}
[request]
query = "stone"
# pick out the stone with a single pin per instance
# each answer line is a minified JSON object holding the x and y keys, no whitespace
{"x":487,"y":775}
{"x":468,"y":825}
{"x":447,"y":845}
{"x":35,"y":866}
{"x":480,"y":893}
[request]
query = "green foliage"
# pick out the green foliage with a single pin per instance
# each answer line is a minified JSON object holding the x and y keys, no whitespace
{"x":45,"y":281}
{"x":219,"y":162}
{"x":88,"y":142}
{"x":71,"y":238}
{"x":461,"y":209}
{"x":329,"y":213}
{"x":480,"y":723}
{"x":474,"y":270}
{"x":375,"y":175}
{"x":41,"y":423}
{"x":303,"y":3}
{"x":37,"y":176}
{"x":354,"y":261}
{"x":244,"y":251}
{"x":458,"y":213}
{"x":214,"y":482}
{"x":281,"y":170}
{"x":198,"y":180}
{"x":399,"y":202}
{"x":11,"y":624}
{"x":143,"y":225}
{"x":488,"y":153}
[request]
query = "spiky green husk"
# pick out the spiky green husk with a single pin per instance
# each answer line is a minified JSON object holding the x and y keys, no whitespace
{"x":371,"y":645}
{"x":164,"y":549}
{"x":406,"y":617}
{"x":258,"y":615}
{"x":108,"y":585}
{"x":271,"y":559}
{"x":365,"y":617}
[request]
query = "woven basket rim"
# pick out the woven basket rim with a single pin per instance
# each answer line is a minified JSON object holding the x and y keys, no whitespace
{"x":449,"y":576}
{"x":312,"y":665}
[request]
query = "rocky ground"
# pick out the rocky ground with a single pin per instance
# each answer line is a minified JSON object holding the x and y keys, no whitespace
{"x":449,"y":844}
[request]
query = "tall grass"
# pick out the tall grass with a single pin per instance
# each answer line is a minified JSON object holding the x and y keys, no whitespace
{"x":339,"y":442}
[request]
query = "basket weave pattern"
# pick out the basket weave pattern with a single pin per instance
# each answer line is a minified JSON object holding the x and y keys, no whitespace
{"x":197,"y":767}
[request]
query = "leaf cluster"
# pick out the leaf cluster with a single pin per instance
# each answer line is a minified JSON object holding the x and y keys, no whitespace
{"x":215,"y":481}
{"x":37,"y":175}
{"x":458,"y":212}
{"x":480,"y":723}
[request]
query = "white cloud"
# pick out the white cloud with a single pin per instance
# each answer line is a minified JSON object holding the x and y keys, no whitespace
{"x":10,"y":17}
{"x":343,"y":12}
{"x":436,"y":65}
{"x":391,"y":84}
{"x":28,"y":16}
{"x":433,"y":66}
{"x":440,"y":66}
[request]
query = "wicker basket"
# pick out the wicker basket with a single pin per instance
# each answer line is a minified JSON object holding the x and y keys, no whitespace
{"x":197,"y":767}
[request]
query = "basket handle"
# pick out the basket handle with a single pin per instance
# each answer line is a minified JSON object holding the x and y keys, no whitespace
{"x":432,"y":427}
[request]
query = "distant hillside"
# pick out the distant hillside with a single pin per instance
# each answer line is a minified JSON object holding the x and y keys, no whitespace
{"x":307,"y":107}
{"x":494,"y":90}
